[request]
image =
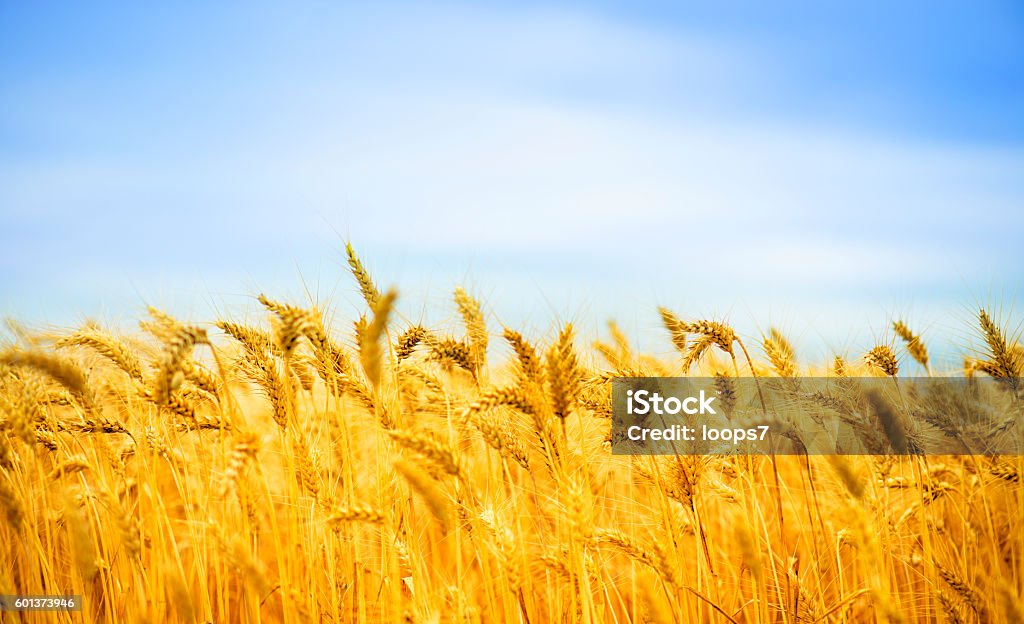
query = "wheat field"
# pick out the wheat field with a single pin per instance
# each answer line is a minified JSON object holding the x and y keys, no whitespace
{"x":300,"y":470}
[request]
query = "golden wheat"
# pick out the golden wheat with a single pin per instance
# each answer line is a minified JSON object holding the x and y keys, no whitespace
{"x":281,"y":474}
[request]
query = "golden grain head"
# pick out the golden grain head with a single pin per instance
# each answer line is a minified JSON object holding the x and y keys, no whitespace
{"x":280,"y":472}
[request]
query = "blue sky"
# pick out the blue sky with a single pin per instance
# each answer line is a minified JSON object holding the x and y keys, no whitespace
{"x":817,"y":168}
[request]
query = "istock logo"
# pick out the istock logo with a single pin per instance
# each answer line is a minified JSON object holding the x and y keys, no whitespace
{"x":653,"y":403}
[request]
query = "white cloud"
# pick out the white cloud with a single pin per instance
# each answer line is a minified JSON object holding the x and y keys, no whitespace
{"x":521,"y":148}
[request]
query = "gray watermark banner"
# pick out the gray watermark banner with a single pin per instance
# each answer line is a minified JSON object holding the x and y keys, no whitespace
{"x":816,"y":416}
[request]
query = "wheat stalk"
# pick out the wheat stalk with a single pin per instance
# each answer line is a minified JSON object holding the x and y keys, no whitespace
{"x":780,"y":353}
{"x":915,"y":346}
{"x":370,"y":355}
{"x":883,"y":358}
{"x":106,"y":345}
{"x":366,"y":286}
